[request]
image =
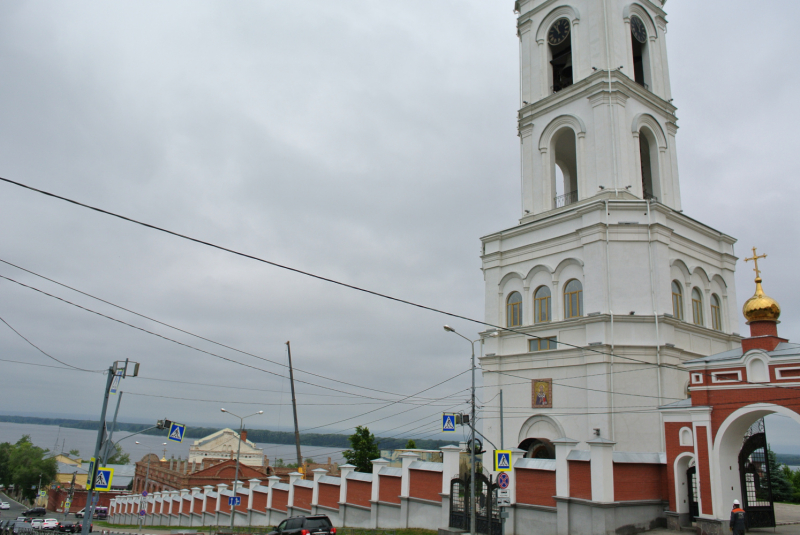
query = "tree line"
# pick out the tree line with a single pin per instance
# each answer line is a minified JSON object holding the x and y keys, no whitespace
{"x":24,"y":466}
{"x":263,"y":436}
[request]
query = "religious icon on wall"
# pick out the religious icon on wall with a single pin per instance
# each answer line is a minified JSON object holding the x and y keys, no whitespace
{"x":542,"y":393}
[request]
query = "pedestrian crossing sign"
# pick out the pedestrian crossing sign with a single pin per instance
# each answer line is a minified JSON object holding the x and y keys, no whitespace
{"x":176,"y":431}
{"x":102,"y":482}
{"x":448,"y":423}
{"x":502,"y":461}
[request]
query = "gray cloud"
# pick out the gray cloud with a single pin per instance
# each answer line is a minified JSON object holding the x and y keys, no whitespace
{"x":367,"y":144}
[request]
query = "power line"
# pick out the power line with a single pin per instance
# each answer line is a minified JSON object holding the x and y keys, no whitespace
{"x":277,"y":363}
{"x":142,"y":329}
{"x":48,"y":355}
{"x":313,"y":275}
{"x":247,"y":402}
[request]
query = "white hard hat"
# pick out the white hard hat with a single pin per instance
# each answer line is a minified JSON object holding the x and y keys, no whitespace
{"x":736,"y":502}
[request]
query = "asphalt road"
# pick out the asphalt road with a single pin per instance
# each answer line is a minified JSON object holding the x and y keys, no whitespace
{"x":16,"y":508}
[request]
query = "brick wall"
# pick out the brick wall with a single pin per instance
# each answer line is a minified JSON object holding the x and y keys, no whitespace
{"x":359,"y":492}
{"x":280,"y":499}
{"x":259,"y":501}
{"x":186,"y":505}
{"x":302,"y":497}
{"x":389,"y":490}
{"x":198,"y":506}
{"x":329,"y":495}
{"x":704,"y":472}
{"x":580,"y":480}
{"x":536,"y":487}
{"x":638,"y":482}
{"x":242,"y":507}
{"x":425,"y":485}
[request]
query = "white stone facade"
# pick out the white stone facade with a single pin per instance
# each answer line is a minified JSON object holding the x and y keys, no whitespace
{"x":222,"y":445}
{"x":614,"y":362}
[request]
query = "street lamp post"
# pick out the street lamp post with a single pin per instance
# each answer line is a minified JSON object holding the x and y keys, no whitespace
{"x":146,"y":482}
{"x":238,"y":451}
{"x":472,"y":427}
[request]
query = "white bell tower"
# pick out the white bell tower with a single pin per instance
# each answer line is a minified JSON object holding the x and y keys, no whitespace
{"x":604,"y":286}
{"x":596,"y":108}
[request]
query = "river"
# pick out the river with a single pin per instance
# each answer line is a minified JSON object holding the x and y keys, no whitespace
{"x":64,"y":439}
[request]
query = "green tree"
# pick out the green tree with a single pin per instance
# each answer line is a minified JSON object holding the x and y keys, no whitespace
{"x":5,"y":467}
{"x":29,"y":466}
{"x":119,"y":456}
{"x":364,"y":449}
{"x":279,"y":463}
{"x":411,"y":445}
{"x":309,"y":461}
{"x":75,"y":453}
{"x":782,"y":488}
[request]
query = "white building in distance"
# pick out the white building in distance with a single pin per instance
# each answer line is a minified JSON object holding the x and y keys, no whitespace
{"x":223,"y":445}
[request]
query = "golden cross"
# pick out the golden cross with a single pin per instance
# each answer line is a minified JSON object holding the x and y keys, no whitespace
{"x":755,"y":261}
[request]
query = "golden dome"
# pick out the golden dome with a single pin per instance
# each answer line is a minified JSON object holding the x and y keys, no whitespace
{"x":761,"y":307}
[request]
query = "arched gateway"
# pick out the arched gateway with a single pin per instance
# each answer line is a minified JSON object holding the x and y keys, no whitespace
{"x":716,"y":441}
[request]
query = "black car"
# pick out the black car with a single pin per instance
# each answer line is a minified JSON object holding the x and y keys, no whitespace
{"x":305,"y":525}
{"x":20,"y":528}
{"x":36,"y":511}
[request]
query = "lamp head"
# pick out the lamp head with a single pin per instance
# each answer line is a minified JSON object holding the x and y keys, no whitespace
{"x":223,"y":410}
{"x":449,"y":329}
{"x":138,"y":442}
{"x":260,"y":412}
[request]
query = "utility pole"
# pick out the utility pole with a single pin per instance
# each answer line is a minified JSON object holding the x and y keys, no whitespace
{"x":294,"y":408}
{"x":502,"y":447}
{"x":101,"y":432}
{"x":69,"y":496}
{"x":89,"y":511}
{"x":111,"y":431}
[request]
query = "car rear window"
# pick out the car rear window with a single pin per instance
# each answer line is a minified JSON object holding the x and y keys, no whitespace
{"x":294,"y":523}
{"x":317,"y":523}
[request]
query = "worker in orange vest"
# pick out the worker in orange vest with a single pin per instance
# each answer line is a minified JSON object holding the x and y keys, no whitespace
{"x":737,"y":519}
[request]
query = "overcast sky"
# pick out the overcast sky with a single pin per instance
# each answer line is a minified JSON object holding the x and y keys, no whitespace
{"x":368,"y":142}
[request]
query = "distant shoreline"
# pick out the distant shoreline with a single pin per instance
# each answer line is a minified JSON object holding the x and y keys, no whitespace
{"x":255,"y":435}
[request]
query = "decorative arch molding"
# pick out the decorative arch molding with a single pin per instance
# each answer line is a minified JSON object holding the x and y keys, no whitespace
{"x":680,"y":466}
{"x":727,"y":443}
{"x":507,"y":277}
{"x":645,"y":120}
{"x":639,"y":11}
{"x":568,"y":12}
{"x":567,"y":262}
{"x":570,"y":121}
{"x":531,"y":422}
{"x":703,"y":274}
{"x":757,"y":365}
{"x":537,"y":269}
{"x":686,"y":436}
{"x":680,"y":264}
{"x":722,"y":284}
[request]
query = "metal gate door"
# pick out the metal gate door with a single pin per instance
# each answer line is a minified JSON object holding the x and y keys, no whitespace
{"x":691,"y":478}
{"x":459,"y":499}
{"x":755,"y":479}
{"x":487,"y":516}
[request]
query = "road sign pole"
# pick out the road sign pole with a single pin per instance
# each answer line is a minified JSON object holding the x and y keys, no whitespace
{"x":502,"y":447}
{"x":89,"y":511}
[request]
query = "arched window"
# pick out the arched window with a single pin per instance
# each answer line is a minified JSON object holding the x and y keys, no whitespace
{"x":677,"y":300}
{"x":514,"y":310}
{"x":648,"y":157}
{"x":559,"y":41}
{"x":541,"y":305}
{"x":697,"y":307}
{"x":641,"y":61}
{"x":716,"y":313}
{"x":565,"y":167}
{"x":573,"y":299}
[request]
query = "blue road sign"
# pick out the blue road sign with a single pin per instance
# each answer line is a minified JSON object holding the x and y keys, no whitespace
{"x":234,"y":501}
{"x":142,"y":512}
{"x":144,"y":493}
{"x":102,"y":482}
{"x":448,"y":423}
{"x":176,"y":431}
{"x":503,"y":480}
{"x":502,"y":461}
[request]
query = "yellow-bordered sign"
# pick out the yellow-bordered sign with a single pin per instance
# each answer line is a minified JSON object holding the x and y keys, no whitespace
{"x":502,"y":460}
{"x":102,"y":483}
